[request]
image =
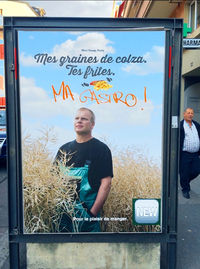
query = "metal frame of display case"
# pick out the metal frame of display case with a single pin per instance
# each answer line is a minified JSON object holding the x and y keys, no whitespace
{"x":172,"y":77}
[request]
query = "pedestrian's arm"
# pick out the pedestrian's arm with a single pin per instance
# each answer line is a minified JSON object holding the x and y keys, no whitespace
{"x":102,"y":195}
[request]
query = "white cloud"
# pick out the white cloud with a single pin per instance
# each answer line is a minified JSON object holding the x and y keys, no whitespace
{"x":154,"y":63}
{"x":88,"y":42}
{"x":2,"y":93}
{"x":36,"y":130}
{"x":30,"y":92}
{"x":31,"y":37}
{"x":113,"y":120}
{"x":36,"y":104}
{"x":28,"y":60}
{"x":94,"y":44}
{"x":75,"y":8}
{"x":118,"y":113}
{"x":76,"y":33}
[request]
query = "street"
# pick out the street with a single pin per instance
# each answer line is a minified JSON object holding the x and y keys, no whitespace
{"x":3,"y":218}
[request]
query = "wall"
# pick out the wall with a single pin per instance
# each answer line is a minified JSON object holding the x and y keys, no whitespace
{"x":93,"y":256}
{"x":191,"y":60}
{"x":192,"y":99}
{"x":143,"y":9}
{"x":16,"y":8}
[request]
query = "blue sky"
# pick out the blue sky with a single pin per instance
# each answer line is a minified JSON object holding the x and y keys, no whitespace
{"x":140,"y":125}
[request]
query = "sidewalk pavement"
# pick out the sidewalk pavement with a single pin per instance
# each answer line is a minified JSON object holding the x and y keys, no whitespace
{"x":188,"y":227}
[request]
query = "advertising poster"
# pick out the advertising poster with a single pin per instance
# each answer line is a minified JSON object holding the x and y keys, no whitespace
{"x":74,"y":185}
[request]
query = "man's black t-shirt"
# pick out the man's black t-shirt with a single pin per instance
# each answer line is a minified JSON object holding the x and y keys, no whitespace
{"x":94,"y":153}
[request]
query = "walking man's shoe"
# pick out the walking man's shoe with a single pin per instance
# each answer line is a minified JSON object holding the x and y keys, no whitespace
{"x":186,"y":194}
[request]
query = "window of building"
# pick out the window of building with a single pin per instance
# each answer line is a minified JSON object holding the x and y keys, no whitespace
{"x":194,"y":15}
{"x":198,"y":13}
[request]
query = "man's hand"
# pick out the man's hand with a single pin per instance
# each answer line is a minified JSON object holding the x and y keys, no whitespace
{"x":102,"y":195}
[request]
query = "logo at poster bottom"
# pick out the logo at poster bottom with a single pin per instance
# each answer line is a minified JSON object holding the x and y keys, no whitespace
{"x":146,"y":211}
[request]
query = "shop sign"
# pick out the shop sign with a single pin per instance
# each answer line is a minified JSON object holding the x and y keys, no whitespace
{"x":191,"y":43}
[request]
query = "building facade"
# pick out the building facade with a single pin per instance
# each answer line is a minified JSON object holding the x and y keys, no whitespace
{"x":189,"y":11}
{"x":13,"y":9}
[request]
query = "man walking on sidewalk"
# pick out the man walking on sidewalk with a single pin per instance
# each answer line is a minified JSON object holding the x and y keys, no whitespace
{"x":189,"y":151}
